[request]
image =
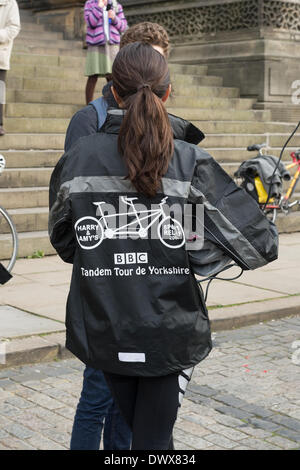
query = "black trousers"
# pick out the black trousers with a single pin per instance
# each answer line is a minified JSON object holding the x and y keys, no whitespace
{"x":150,"y":406}
{"x":2,"y":93}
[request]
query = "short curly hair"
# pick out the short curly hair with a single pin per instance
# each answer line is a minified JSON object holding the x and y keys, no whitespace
{"x":151,"y":33}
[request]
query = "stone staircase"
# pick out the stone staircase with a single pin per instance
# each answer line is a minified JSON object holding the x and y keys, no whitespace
{"x":45,"y":87}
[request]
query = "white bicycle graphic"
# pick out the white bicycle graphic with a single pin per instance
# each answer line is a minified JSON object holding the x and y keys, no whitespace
{"x":98,"y":229}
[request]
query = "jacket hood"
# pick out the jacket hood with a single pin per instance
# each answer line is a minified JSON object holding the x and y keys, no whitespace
{"x":182,"y":130}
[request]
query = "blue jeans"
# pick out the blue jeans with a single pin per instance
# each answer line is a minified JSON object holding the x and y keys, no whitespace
{"x":96,"y":406}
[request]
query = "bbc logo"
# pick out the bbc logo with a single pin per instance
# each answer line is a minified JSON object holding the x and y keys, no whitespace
{"x":131,"y":258}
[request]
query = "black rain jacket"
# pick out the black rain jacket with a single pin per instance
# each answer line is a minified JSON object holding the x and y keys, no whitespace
{"x":134,"y":306}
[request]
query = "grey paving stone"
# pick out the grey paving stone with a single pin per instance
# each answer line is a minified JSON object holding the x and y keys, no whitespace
{"x":229,"y":421}
{"x":19,"y":402}
{"x":235,"y":412}
{"x":28,"y":377}
{"x":202,"y":390}
{"x":282,"y":442}
{"x":60,"y":437}
{"x":291,"y":423}
{"x":228,"y":432}
{"x":264,"y":424}
{"x":9,"y":410}
{"x":258,"y":444}
{"x":230,"y":400}
{"x":220,"y":441}
{"x":258,"y":410}
{"x":19,"y":431}
{"x":12,"y":443}
{"x":3,"y":434}
{"x":42,"y":443}
{"x":256,"y":432}
{"x":181,"y":446}
{"x":289,"y":434}
{"x":7,"y":384}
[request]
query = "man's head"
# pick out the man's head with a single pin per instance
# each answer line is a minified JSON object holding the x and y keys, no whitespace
{"x":150,"y":33}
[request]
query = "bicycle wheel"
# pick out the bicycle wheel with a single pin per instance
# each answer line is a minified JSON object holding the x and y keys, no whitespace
{"x":8,"y":240}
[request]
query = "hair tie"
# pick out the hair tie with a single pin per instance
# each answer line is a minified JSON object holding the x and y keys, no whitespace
{"x":144,"y":85}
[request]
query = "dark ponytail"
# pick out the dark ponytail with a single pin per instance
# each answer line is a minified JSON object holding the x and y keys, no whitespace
{"x":141,"y":78}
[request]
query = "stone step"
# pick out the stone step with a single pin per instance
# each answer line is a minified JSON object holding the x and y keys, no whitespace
{"x":29,"y":243}
{"x":181,"y":89}
{"x":50,"y":84}
{"x":183,"y":102}
{"x":67,"y":97}
{"x":31,"y":158}
{"x":36,"y":33}
{"x":238,"y":127}
{"x":24,"y":197}
{"x":46,"y":59}
{"x":45,"y":39}
{"x":40,"y":110}
{"x":188,"y":69}
{"x":44,"y":50}
{"x":25,"y":177}
{"x":44,"y":71}
{"x":32,"y":141}
{"x":31,"y":27}
{"x":205,"y":80}
{"x":27,"y":219}
{"x":234,"y":115}
{"x":36,"y":125}
{"x":198,"y":80}
{"x":244,"y":140}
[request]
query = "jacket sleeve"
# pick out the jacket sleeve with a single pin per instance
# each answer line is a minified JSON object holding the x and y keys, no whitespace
{"x":83,"y":123}
{"x":232,"y":219}
{"x":12,"y":27}
{"x":120,"y":21}
{"x":60,"y":226}
{"x":92,"y":14}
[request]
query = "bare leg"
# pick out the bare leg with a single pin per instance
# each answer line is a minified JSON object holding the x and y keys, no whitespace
{"x":90,"y":88}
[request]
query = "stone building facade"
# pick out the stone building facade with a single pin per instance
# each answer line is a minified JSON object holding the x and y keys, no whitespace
{"x":252,"y":44}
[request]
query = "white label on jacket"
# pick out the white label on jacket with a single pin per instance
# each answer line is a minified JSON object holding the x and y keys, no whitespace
{"x":132,"y":357}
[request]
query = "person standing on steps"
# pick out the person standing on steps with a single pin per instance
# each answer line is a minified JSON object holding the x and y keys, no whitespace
{"x":9,"y":29}
{"x":105,"y":22}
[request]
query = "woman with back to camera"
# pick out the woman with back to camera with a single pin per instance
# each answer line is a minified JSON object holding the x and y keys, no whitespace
{"x":134,"y":309}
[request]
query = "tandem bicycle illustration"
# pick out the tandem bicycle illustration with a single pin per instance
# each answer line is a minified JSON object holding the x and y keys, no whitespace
{"x":91,"y":231}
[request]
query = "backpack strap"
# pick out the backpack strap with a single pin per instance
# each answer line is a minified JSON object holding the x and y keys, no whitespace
{"x":100,"y":106}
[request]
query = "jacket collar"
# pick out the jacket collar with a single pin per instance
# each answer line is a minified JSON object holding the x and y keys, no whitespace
{"x":182,"y":129}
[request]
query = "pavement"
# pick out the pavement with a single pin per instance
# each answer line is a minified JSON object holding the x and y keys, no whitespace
{"x":244,"y":396}
{"x":32,"y":304}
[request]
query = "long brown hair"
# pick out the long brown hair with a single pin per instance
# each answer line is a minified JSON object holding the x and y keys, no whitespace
{"x":141,"y":78}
